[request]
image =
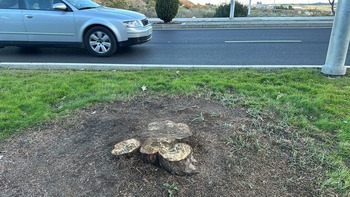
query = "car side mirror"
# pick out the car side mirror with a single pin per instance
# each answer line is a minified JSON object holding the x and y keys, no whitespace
{"x":59,"y":6}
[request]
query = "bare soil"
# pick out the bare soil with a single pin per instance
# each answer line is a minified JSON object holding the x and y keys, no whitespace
{"x":240,"y":153}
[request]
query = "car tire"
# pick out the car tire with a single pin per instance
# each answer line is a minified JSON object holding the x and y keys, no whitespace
{"x":100,"y":41}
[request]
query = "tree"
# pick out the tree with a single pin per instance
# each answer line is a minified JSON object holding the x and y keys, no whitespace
{"x":224,"y":10}
{"x":332,"y":6}
{"x":167,"y":9}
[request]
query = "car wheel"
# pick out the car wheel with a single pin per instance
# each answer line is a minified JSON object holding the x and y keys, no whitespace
{"x":100,"y":41}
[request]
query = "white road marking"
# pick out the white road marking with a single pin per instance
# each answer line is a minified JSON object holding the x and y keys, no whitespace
{"x":263,"y":41}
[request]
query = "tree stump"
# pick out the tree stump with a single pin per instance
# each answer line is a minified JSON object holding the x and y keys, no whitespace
{"x":151,"y":146}
{"x":126,"y":147}
{"x":167,"y":129}
{"x":178,"y":159}
{"x":161,"y":146}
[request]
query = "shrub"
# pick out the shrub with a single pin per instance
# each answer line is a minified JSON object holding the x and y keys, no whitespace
{"x":167,"y":9}
{"x":115,"y":4}
{"x":281,"y":7}
{"x":195,"y":12}
{"x":224,"y":10}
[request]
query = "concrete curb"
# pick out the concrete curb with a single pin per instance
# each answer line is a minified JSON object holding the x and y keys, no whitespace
{"x":86,"y":66}
{"x":244,"y":22}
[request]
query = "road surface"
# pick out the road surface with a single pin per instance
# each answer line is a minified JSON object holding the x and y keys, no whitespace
{"x":304,"y":46}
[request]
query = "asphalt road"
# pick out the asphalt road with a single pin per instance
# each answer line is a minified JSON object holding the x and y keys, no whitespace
{"x":200,"y":47}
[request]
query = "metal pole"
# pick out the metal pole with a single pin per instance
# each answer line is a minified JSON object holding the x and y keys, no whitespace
{"x":339,"y":41}
{"x":249,"y":7}
{"x":232,"y":9}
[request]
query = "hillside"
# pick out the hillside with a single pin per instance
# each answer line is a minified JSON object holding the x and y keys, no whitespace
{"x":136,"y":2}
{"x":142,"y":3}
{"x":188,"y":4}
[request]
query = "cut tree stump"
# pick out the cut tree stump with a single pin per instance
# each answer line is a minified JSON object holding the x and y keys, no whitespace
{"x":126,"y":147}
{"x":178,"y":159}
{"x":161,"y":146}
{"x":167,"y":129}
{"x":151,"y":146}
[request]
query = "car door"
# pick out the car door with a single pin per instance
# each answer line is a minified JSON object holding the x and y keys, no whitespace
{"x":45,"y":24}
{"x":12,"y":28}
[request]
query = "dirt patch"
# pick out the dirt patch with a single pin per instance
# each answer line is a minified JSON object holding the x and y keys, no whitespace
{"x":240,"y":153}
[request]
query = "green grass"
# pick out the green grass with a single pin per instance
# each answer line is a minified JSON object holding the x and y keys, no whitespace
{"x":303,"y":98}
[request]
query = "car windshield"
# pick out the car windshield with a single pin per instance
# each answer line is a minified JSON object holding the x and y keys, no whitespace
{"x":83,"y":4}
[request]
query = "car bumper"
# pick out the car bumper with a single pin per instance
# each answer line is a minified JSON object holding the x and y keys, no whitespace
{"x":135,"y":41}
{"x":138,"y":36}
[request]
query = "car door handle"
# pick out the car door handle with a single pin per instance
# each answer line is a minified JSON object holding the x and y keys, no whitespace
{"x":29,"y":16}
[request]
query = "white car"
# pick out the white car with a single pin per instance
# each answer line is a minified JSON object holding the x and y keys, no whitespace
{"x":71,"y":23}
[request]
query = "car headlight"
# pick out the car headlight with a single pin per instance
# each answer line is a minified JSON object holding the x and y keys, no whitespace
{"x":132,"y":24}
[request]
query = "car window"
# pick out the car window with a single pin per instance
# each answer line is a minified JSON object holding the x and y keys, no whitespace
{"x":38,"y":4}
{"x":9,"y":4}
{"x":83,"y":4}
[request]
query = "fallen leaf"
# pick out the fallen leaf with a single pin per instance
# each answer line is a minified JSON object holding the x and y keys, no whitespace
{"x":279,"y":96}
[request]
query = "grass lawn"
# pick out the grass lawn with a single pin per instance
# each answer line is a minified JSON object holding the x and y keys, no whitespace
{"x":303,"y":98}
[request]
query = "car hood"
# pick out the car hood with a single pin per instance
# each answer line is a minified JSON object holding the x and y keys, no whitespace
{"x":115,"y":13}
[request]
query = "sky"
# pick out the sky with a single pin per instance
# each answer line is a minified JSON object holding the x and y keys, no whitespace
{"x":263,"y":1}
